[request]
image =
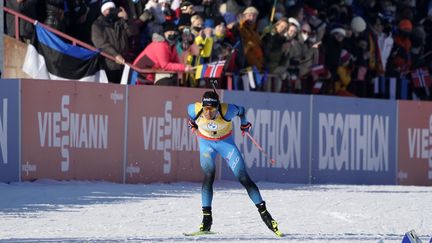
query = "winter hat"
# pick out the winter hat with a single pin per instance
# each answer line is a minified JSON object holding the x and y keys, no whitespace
{"x":210,"y":98}
{"x":229,"y":17}
{"x":358,"y":25}
{"x":251,"y":10}
{"x":107,"y":5}
{"x":338,"y":30}
{"x":294,"y":22}
{"x":169,"y":26}
{"x":209,"y":23}
{"x":185,"y":4}
{"x":405,"y":25}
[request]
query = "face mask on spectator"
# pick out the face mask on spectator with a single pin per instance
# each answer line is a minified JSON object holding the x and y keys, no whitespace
{"x":250,"y":22}
{"x":197,"y":28}
{"x":172,"y":39}
{"x":113,"y":14}
{"x":305,"y":36}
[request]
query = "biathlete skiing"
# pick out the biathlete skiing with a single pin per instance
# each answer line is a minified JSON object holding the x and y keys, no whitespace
{"x":212,"y":123}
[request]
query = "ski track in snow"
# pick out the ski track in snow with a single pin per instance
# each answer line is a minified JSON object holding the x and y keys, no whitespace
{"x":82,"y":211}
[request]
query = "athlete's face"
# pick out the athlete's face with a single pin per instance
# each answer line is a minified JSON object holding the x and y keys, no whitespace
{"x":209,"y":112}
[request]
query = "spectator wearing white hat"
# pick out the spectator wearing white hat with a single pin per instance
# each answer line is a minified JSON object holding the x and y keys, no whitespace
{"x":110,"y":34}
{"x":332,"y":46}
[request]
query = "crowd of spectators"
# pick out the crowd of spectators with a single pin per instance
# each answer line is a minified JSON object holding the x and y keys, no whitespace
{"x":360,"y":48}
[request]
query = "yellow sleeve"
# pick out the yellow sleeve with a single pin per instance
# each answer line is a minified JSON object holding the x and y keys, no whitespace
{"x":224,"y":108}
{"x":198,"y":107}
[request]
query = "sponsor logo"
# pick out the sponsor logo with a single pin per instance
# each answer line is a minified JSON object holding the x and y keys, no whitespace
{"x":353,"y":142}
{"x":115,"y":97}
{"x":402,"y":175}
{"x":66,"y":130}
{"x":279,"y":133}
{"x":167,"y":134}
{"x":3,"y":132}
{"x":133,"y":169}
{"x":419,"y":142}
{"x":27,"y":168}
{"x":212,"y":126}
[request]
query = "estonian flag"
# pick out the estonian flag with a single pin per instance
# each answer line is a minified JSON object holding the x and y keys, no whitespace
{"x":48,"y":57}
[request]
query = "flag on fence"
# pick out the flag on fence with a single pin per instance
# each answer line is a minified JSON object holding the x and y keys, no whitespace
{"x":318,"y":70}
{"x":248,"y":79}
{"x":253,"y":78}
{"x":317,"y":87}
{"x":48,"y":57}
{"x":214,"y":70}
{"x":257,"y":76}
{"x":200,"y":70}
{"x":421,"y":78}
{"x":129,"y":76}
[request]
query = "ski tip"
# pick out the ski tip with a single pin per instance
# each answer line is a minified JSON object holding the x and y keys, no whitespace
{"x":279,"y":234}
{"x":198,"y":233}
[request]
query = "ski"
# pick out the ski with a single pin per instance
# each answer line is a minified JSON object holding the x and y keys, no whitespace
{"x":278,"y":233}
{"x":198,"y":233}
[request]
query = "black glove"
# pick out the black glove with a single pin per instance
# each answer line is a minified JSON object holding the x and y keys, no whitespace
{"x":192,"y":125}
{"x":245,"y":128}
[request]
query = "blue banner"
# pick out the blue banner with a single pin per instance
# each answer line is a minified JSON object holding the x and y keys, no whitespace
{"x":9,"y":130}
{"x":354,"y":140}
{"x":280,"y":125}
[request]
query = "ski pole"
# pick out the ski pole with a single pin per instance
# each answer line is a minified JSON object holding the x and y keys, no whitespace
{"x":260,"y":148}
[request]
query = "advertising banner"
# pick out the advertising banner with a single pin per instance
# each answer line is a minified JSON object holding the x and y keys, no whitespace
{"x":9,"y":130}
{"x":72,"y":130}
{"x":414,"y":143}
{"x":280,"y":125}
{"x":160,"y":146}
{"x":354,"y":140}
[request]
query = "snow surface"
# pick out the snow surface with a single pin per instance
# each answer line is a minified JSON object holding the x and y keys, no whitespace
{"x":82,"y":211}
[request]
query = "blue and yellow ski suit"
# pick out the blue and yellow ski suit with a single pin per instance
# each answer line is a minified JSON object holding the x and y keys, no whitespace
{"x":215,"y":136}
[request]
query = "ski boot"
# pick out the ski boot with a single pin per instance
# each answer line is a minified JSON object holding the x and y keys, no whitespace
{"x":207,"y":219}
{"x":268,"y":220}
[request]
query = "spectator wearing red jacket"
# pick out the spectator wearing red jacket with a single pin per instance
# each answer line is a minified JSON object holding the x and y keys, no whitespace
{"x":162,"y":55}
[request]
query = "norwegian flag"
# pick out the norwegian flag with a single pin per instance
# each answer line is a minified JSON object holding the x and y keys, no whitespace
{"x":214,"y":70}
{"x":318,"y":71}
{"x":421,"y":77}
{"x":317,"y":87}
